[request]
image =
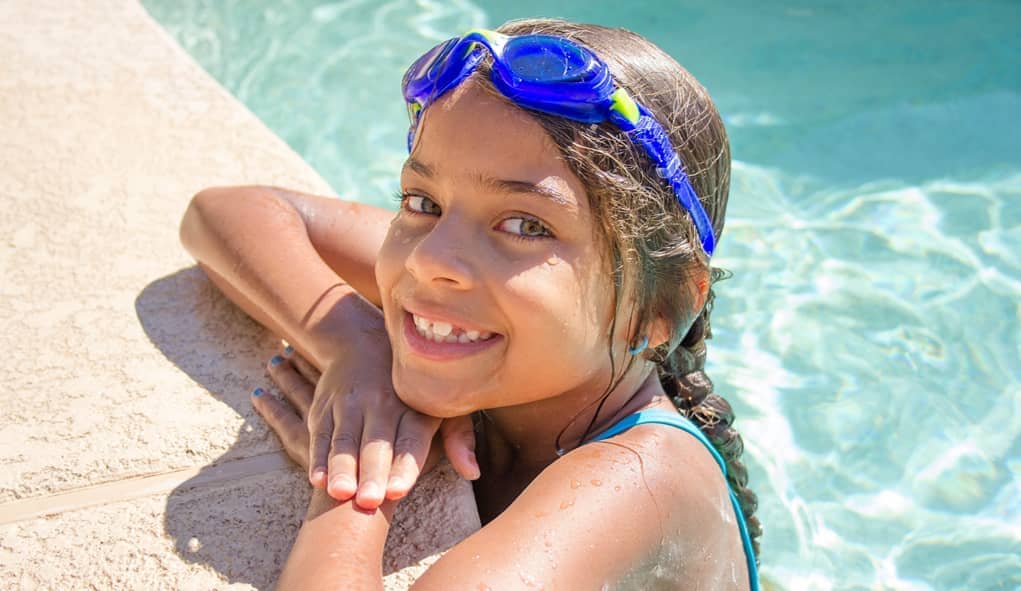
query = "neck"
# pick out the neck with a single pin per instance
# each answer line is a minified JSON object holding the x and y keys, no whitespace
{"x":524,"y":438}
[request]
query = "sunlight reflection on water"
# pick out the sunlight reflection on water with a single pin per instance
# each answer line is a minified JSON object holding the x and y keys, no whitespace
{"x":869,"y":338}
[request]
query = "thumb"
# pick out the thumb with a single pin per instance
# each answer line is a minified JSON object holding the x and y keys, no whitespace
{"x":458,"y":436}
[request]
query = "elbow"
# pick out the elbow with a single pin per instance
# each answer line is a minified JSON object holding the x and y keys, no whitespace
{"x":215,"y":216}
{"x":208,"y":210}
{"x":209,"y":214}
{"x":193,"y":225}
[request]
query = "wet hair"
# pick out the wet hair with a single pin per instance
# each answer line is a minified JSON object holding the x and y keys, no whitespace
{"x":655,"y":254}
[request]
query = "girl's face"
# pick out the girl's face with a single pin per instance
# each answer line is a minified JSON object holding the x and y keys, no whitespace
{"x":495,"y":287}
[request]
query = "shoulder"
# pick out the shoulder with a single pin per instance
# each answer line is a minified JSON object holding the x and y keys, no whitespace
{"x":688,"y":492}
{"x":606,"y":512}
{"x":677,"y":472}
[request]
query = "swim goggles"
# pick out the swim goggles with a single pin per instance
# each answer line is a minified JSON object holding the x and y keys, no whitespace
{"x":557,"y":76}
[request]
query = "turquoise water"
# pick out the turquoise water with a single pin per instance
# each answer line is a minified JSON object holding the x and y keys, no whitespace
{"x":870,"y":337}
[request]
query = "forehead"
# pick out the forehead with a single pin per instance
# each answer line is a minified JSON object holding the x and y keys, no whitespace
{"x":469,"y":135}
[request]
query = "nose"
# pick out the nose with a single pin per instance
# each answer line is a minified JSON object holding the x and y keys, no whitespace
{"x":442,"y":256}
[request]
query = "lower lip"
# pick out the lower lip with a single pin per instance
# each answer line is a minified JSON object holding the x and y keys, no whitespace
{"x":442,"y":351}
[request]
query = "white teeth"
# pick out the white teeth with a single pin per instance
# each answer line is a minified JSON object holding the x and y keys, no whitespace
{"x":443,"y":332}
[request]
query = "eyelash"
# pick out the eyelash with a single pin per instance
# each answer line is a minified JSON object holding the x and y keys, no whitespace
{"x":402,"y":198}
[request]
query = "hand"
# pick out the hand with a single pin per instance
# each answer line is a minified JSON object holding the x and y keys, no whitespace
{"x":288,"y":421}
{"x":374,"y":446}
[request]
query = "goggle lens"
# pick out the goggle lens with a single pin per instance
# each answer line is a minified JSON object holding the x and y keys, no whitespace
{"x":424,"y":71}
{"x":557,"y":76}
{"x":542,"y":58}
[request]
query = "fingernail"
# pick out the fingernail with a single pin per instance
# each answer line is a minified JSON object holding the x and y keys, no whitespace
{"x":370,"y":490}
{"x":276,"y":360}
{"x":257,"y":392}
{"x":397,"y":483}
{"x":288,"y":350}
{"x":342,"y":483}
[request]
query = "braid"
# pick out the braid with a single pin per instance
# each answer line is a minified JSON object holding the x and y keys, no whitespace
{"x":683,"y":376}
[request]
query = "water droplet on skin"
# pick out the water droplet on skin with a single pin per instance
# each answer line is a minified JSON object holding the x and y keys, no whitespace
{"x":552,"y":260}
{"x":616,"y":488}
{"x":575,"y":484}
{"x":560,"y":452}
{"x":528,"y":581}
{"x":566,"y":504}
{"x":597,"y":483}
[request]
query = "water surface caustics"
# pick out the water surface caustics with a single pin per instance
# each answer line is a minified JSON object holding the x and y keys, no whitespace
{"x":870,"y":338}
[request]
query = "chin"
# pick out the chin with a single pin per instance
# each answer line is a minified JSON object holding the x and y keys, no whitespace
{"x":430,"y":400}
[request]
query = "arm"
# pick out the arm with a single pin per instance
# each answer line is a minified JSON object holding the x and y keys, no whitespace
{"x":599,"y":516}
{"x":646,"y":508}
{"x":303,"y":266}
{"x":355,"y":563}
{"x":294,"y":262}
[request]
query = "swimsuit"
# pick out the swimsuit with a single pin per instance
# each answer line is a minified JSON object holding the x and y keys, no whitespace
{"x":663,"y":417}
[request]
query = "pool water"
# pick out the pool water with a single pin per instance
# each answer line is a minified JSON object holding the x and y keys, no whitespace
{"x":870,"y":337}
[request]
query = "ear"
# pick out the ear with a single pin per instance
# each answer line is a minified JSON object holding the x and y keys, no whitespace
{"x":701,"y":280}
{"x":661,"y":330}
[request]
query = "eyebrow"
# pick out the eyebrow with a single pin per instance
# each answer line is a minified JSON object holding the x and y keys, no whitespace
{"x":501,"y":185}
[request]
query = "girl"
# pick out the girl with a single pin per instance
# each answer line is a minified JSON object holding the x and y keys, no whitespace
{"x":547,"y":276}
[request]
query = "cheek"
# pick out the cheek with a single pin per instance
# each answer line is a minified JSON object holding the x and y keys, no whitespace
{"x":564,"y":301}
{"x":390,"y":260}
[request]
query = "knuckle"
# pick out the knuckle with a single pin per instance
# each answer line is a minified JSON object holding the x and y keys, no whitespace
{"x":344,"y":440}
{"x":348,"y":404}
{"x":277,"y":413}
{"x":321,"y":439}
{"x":407,"y":442}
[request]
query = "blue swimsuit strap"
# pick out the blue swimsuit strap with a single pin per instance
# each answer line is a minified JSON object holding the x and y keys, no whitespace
{"x":665,"y":417}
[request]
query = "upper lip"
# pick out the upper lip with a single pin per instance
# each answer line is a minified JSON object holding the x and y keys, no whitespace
{"x":435,"y":313}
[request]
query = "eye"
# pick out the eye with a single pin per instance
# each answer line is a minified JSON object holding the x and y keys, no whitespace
{"x":525,"y":228}
{"x":420,"y":204}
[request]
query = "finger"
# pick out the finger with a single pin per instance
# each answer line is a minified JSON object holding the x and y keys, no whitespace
{"x":343,"y":461}
{"x":458,"y":436}
{"x":321,"y":437}
{"x":374,"y":460}
{"x":297,"y":390}
{"x":285,"y":423}
{"x":304,"y":366}
{"x":414,"y":438}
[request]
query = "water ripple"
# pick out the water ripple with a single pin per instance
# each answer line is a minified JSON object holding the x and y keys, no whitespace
{"x":870,"y":339}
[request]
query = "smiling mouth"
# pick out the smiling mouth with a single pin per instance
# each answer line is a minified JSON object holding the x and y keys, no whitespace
{"x":445,"y":332}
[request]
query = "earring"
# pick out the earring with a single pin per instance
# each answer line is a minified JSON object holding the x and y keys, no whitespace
{"x":640,"y":346}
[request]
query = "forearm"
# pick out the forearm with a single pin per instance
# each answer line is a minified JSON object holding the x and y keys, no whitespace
{"x":255,"y":247}
{"x":338,"y":547}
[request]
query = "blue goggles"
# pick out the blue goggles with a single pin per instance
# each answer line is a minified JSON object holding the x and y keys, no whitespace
{"x":557,"y":76}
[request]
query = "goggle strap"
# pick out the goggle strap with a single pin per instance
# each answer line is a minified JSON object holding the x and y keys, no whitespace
{"x":622,"y":110}
{"x":651,"y":136}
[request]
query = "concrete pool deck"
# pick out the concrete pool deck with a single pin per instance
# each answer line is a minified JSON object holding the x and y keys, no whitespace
{"x":131,"y":457}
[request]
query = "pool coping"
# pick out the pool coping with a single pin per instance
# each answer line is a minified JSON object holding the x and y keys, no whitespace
{"x":131,"y":456}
